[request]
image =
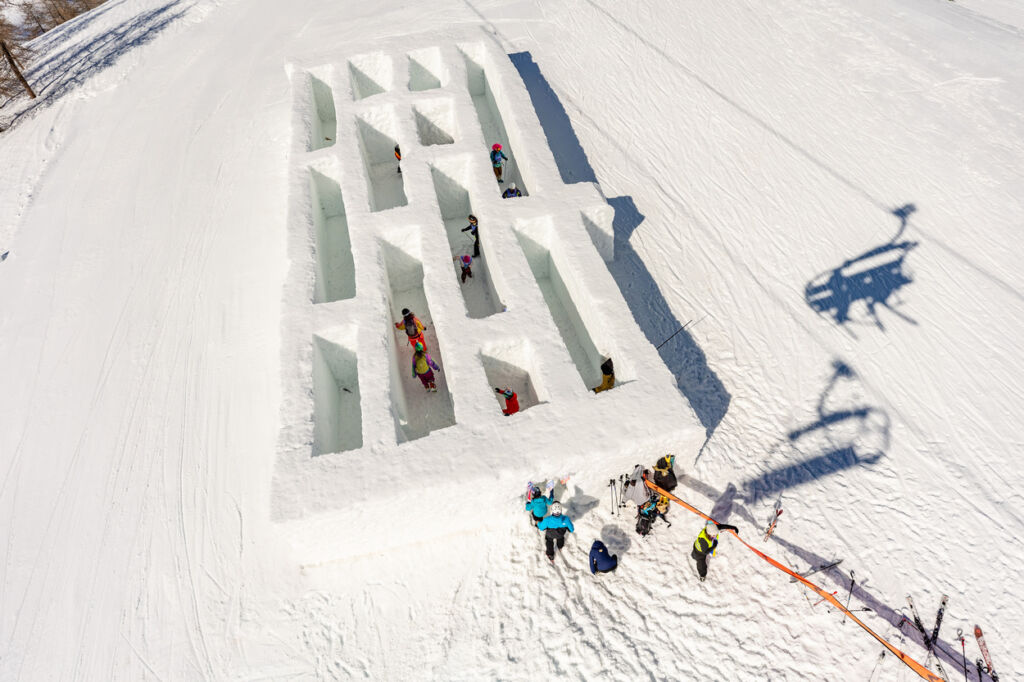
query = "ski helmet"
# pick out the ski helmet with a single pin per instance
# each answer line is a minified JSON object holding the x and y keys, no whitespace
{"x":556,"y":508}
{"x":496,"y":147}
{"x":419,"y":345}
{"x":535,"y":490}
{"x":406,"y":312}
{"x":508,"y":393}
{"x":711,"y":528}
{"x":512,"y":185}
{"x":472,"y":218}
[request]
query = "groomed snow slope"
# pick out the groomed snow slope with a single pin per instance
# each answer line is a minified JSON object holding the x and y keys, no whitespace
{"x":772,"y":169}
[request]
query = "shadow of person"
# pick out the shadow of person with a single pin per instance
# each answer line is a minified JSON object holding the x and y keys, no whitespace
{"x":615,"y":539}
{"x":580,"y":504}
{"x":872,"y":278}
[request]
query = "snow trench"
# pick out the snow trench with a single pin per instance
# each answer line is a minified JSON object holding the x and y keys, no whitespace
{"x":426,"y":69}
{"x":377,"y":133}
{"x":324,"y":130}
{"x":335,"y":268}
{"x":337,"y":415}
{"x":370,"y":74}
{"x":512,"y":366}
{"x":435,"y":122}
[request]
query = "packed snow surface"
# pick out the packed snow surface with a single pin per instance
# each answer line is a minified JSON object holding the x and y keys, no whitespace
{"x":215,"y":464}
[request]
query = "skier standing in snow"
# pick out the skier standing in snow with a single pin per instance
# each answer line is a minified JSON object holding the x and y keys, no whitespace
{"x":511,"y":401}
{"x":473,"y":230}
{"x":421,"y":367}
{"x":511,"y":192}
{"x":412,"y":326}
{"x":706,"y":543}
{"x":607,"y":376}
{"x":466,"y":263}
{"x":498,"y":160}
{"x":600,"y":560}
{"x":554,"y":527}
{"x":398,"y":155}
{"x":538,"y":504}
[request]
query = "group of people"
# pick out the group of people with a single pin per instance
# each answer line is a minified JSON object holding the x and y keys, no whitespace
{"x":547,"y":515}
{"x":498,"y":160}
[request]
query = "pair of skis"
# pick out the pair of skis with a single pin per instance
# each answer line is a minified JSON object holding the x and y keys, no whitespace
{"x":931,"y":641}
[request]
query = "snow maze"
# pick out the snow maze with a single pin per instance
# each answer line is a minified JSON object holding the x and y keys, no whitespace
{"x":539,"y":314}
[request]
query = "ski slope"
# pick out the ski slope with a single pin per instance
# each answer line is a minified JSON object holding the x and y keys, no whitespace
{"x":827,"y":195}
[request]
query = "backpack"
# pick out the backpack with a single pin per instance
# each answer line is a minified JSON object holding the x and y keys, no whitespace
{"x":410,"y":327}
{"x":664,"y":476}
{"x":643,"y":523}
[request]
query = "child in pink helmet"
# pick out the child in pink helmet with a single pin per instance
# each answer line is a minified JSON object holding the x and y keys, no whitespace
{"x":498,"y":160}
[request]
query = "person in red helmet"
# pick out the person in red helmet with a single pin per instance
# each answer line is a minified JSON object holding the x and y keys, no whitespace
{"x":498,"y":160}
{"x":466,"y":263}
{"x":511,"y":401}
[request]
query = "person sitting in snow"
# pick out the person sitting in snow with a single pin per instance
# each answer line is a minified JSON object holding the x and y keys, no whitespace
{"x":600,"y":560}
{"x":511,"y":192}
{"x":421,"y":367}
{"x":498,"y":159}
{"x":466,"y":263}
{"x":511,"y":401}
{"x":706,"y":543}
{"x":412,"y":326}
{"x":538,"y":503}
{"x":607,"y":376}
{"x":664,"y":475}
{"x":554,"y":527}
{"x":473,"y":230}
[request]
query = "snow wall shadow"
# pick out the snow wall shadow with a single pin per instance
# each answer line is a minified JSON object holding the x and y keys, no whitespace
{"x":416,"y":412}
{"x":510,"y":366}
{"x":377,"y":132}
{"x":434,"y":119}
{"x":370,"y":74}
{"x":696,"y":381}
{"x":335,"y":268}
{"x":426,"y":69}
{"x":337,"y":415}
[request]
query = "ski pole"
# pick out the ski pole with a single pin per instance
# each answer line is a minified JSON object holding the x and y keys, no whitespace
{"x":852,"y":581}
{"x":963,"y":649}
{"x":611,"y":493}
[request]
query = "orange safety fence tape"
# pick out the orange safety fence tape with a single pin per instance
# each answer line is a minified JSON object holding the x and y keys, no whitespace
{"x":910,"y":662}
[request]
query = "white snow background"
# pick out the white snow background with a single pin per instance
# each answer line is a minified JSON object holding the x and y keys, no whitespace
{"x":828,"y":193}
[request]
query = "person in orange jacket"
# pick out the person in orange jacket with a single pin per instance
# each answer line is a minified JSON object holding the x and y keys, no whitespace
{"x":398,"y":156}
{"x":412,"y":326}
{"x":511,"y":401}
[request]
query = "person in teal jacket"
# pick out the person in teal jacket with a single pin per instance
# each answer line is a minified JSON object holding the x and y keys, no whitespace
{"x":538,"y":505}
{"x":554,"y":527}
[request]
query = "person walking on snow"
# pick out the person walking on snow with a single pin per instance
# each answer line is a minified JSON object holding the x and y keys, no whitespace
{"x":706,"y":543}
{"x":538,"y":504}
{"x":421,"y":367}
{"x":607,"y":376}
{"x":473,"y":230}
{"x":466,"y":263}
{"x":511,"y":192}
{"x":398,"y":155}
{"x":412,"y":326}
{"x":600,"y":560}
{"x":554,"y":527}
{"x":498,"y":160}
{"x":511,"y":401}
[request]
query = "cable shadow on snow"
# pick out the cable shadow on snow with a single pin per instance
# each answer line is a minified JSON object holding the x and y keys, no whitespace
{"x":681,"y":354}
{"x":66,"y":70}
{"x":872,"y":278}
{"x":841,"y":438}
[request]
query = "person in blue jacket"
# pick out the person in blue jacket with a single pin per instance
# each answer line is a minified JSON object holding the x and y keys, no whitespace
{"x":554,"y":527}
{"x":600,"y":560}
{"x":511,"y":192}
{"x":538,"y":504}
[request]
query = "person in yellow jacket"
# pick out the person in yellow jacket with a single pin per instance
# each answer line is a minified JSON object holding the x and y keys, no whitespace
{"x":421,"y":367}
{"x":607,"y":376}
{"x":705,"y":544}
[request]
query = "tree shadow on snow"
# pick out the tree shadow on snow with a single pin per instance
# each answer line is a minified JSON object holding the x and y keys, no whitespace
{"x":681,"y":354}
{"x":66,"y":70}
{"x":871,"y":279}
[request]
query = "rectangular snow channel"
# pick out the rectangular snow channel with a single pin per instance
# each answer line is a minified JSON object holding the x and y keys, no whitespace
{"x":488,"y":112}
{"x":417,"y":412}
{"x":426,"y":69}
{"x":324,"y":128}
{"x":370,"y":74}
{"x":434,"y":121}
{"x":377,"y":130}
{"x":561,"y":288}
{"x":337,"y":415}
{"x":508,"y":366}
{"x":335,"y":269}
{"x":478,"y":292}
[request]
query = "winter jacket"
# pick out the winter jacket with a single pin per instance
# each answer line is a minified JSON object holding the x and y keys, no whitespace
{"x":473,"y":230}
{"x":497,"y":156}
{"x":705,"y":544}
{"x":511,"y":405}
{"x":539,"y":506}
{"x":510,"y":193}
{"x":600,"y":559}
{"x":556,"y":523}
{"x":466,"y":261}
{"x":421,"y":364}
{"x":412,"y":326}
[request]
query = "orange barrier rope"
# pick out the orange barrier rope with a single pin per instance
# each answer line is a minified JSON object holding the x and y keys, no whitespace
{"x":910,"y":662}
